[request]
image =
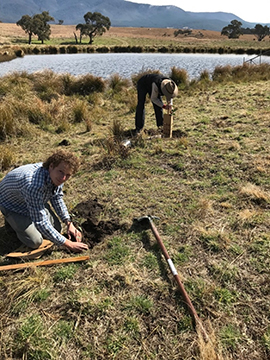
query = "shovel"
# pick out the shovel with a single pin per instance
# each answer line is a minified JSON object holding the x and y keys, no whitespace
{"x":187,"y":300}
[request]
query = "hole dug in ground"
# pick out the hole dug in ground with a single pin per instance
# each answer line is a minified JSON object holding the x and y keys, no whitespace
{"x":93,"y":230}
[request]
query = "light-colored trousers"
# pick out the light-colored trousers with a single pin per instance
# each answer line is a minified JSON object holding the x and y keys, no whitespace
{"x":25,"y":230}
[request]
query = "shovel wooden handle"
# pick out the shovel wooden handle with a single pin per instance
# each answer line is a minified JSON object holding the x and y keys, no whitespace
{"x":187,"y":300}
{"x":43,"y":263}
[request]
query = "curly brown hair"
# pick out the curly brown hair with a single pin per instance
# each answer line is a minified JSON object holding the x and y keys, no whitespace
{"x":61,"y":155}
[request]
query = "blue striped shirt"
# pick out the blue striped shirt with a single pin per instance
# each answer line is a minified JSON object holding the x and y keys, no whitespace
{"x":26,"y":190}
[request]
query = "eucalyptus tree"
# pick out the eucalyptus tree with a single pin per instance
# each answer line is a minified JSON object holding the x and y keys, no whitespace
{"x":28,"y":25}
{"x":95,"y":24}
{"x":233,"y":30}
{"x":261,"y":31}
{"x":36,"y":25}
{"x":43,"y":28}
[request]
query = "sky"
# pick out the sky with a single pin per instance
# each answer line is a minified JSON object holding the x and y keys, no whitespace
{"x":251,"y":11}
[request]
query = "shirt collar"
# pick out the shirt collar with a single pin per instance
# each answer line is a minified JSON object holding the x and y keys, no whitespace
{"x":49,"y":182}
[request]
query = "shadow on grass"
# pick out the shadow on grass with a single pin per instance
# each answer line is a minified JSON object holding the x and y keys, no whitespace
{"x":20,"y":41}
{"x":8,"y":241}
{"x":144,"y":229}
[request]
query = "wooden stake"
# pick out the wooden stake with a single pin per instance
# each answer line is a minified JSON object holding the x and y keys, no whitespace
{"x":43,"y":263}
{"x":167,"y":124}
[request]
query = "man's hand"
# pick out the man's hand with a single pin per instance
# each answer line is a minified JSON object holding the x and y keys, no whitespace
{"x":71,"y":230}
{"x":167,"y":106}
{"x":75,"y":246}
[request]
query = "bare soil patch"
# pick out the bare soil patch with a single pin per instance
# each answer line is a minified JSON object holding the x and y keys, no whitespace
{"x":94,"y":231}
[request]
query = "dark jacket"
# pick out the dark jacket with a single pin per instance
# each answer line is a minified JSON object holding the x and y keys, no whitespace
{"x":147,"y":80}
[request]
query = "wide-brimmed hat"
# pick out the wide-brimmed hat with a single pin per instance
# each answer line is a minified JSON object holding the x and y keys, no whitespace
{"x":169,"y":89}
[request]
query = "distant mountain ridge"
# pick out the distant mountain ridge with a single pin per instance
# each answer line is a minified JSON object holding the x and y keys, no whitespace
{"x":121,"y":13}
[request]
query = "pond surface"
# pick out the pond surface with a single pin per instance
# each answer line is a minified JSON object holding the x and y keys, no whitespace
{"x":125,"y":64}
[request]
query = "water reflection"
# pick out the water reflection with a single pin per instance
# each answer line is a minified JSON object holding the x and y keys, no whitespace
{"x":123,"y":64}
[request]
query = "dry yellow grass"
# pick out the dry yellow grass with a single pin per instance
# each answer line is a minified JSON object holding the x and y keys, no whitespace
{"x":210,"y":189}
{"x":66,"y":31}
{"x":144,"y":38}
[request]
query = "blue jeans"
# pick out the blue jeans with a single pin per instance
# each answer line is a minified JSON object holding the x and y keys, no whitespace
{"x":25,"y":230}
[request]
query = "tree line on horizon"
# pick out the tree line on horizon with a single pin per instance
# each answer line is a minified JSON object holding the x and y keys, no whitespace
{"x":97,"y":24}
{"x":234,"y":30}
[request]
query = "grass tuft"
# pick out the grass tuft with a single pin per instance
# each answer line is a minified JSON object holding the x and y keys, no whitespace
{"x":7,"y":157}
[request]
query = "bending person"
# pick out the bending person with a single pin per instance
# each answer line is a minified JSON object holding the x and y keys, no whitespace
{"x":156,"y":86}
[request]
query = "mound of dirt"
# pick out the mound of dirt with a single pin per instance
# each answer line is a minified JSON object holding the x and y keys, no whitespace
{"x":93,"y":230}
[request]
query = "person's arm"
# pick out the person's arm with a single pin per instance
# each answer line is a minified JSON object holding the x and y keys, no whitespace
{"x":42,"y":223}
{"x":39,"y":217}
{"x":44,"y":226}
{"x":155,"y":98}
{"x":61,"y":210}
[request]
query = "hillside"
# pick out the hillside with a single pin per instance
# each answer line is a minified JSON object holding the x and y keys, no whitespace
{"x":121,"y":13}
